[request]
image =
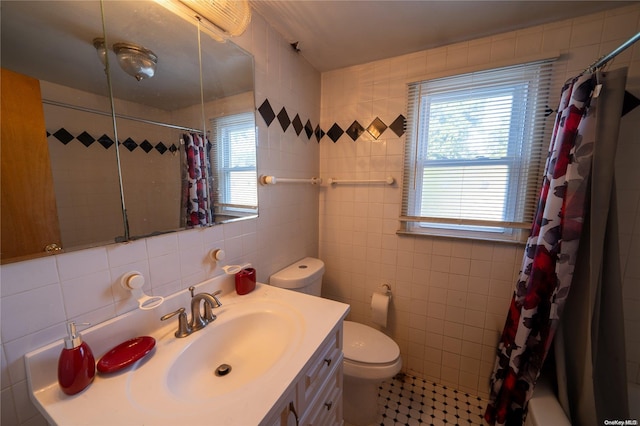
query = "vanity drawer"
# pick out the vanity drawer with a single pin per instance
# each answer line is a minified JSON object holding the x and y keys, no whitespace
{"x":284,"y":413}
{"x":318,"y":371}
{"x":326,"y":408}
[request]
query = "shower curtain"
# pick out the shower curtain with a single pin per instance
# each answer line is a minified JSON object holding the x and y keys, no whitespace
{"x":569,"y":249}
{"x":196,"y":199}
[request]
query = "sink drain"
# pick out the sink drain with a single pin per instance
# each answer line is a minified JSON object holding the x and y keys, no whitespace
{"x":223,"y":370}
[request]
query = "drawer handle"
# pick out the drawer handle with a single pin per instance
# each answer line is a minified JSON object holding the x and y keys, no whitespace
{"x":327,"y":361}
{"x":292,"y":409}
{"x":328,"y":405}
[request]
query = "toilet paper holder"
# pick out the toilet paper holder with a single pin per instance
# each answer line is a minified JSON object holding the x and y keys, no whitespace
{"x":386,"y":289}
{"x":380,"y":301}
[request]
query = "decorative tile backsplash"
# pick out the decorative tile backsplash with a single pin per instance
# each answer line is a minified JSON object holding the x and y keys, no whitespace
{"x":376,"y":128}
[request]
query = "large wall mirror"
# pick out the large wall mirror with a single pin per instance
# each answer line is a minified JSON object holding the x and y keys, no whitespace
{"x":187,"y":150}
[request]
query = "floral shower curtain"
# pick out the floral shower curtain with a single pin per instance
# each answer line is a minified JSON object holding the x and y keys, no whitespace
{"x":551,"y":252}
{"x":197,"y":204}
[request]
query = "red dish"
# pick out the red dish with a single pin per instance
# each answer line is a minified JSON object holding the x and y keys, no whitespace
{"x":125,"y":354}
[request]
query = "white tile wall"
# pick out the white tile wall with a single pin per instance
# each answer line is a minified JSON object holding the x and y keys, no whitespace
{"x":39,"y":296}
{"x":89,"y":162}
{"x":451,"y":297}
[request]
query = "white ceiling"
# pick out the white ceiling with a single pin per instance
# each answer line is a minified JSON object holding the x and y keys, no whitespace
{"x":334,"y":34}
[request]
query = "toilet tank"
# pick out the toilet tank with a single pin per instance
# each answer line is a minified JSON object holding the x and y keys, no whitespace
{"x":304,"y":276}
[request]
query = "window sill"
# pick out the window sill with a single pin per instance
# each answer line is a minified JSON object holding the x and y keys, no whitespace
{"x":459,"y":237}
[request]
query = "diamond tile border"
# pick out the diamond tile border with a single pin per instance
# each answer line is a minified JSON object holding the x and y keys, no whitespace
{"x":63,"y":136}
{"x":85,"y":138}
{"x":399,"y":125}
{"x":355,"y":130}
{"x":308,"y":129}
{"x":146,"y":146}
{"x":297,"y":124}
{"x":376,"y":128}
{"x":284,"y":120}
{"x":266,"y":112}
{"x":105,"y":141}
{"x":335,"y":132}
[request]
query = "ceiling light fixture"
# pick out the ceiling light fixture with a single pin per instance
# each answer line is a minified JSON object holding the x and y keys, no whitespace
{"x":220,"y":19}
{"x":98,"y":43}
{"x":135,"y":60}
{"x":230,"y":16}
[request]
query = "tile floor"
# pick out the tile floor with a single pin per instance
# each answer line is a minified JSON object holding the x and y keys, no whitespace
{"x":412,"y":401}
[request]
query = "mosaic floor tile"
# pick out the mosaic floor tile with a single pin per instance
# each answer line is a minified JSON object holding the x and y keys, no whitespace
{"x":409,"y":401}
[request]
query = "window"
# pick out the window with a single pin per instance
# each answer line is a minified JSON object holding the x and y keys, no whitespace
{"x":233,"y":155}
{"x":475,"y":153}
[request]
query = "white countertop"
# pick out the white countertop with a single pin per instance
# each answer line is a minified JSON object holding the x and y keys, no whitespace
{"x":138,"y":394}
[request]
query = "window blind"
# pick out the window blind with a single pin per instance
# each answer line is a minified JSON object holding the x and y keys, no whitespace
{"x":233,"y":155}
{"x":475,"y":151}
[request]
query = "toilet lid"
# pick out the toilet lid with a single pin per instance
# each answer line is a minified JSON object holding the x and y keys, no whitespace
{"x":364,"y":344}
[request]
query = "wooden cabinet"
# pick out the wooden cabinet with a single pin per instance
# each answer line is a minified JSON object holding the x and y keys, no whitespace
{"x":29,"y":214}
{"x":315,"y":398}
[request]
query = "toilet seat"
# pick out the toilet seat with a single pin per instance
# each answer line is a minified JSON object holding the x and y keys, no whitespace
{"x":363,"y":344}
{"x":369,"y":353}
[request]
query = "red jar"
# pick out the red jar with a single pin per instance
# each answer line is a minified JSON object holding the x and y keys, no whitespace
{"x":245,"y":281}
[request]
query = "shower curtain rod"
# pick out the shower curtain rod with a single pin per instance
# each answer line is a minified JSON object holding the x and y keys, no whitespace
{"x":609,"y":56}
{"x":125,"y":117}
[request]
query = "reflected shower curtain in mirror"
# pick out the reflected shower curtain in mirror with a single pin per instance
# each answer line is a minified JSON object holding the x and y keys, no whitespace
{"x":551,"y":253}
{"x":196,"y":190}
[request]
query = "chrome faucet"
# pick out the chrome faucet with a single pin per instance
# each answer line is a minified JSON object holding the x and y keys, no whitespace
{"x":198,"y":320}
{"x":184,"y":329}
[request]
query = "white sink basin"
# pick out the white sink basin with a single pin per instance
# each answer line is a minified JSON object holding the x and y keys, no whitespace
{"x":229,"y":354}
{"x":255,"y":339}
{"x":266,"y":336}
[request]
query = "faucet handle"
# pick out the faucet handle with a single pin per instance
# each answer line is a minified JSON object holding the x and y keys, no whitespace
{"x":183,"y":325}
{"x":214,"y":294}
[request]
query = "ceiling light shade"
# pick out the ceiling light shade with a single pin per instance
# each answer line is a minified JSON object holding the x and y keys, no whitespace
{"x":133,"y":59}
{"x":98,"y":43}
{"x":231,"y":16}
{"x":136,"y":60}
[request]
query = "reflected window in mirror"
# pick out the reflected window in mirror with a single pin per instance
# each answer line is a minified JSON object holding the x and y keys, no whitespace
{"x":233,"y":154}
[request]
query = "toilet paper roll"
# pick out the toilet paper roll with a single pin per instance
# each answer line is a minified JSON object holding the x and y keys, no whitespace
{"x":380,"y":308}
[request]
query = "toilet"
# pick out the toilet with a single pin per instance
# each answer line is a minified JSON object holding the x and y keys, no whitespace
{"x":370,"y":356}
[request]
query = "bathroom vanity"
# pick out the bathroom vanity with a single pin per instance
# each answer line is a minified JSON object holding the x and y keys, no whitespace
{"x":315,"y":397}
{"x":284,"y":350}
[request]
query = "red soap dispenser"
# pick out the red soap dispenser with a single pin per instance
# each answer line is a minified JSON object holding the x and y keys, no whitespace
{"x":76,"y":366}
